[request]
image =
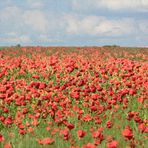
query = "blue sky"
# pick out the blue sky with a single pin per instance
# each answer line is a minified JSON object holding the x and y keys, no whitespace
{"x":74,"y":22}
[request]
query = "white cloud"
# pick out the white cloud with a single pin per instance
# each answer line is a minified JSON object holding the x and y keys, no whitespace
{"x":10,"y":13}
{"x":33,"y":19}
{"x":125,"y":4}
{"x":45,"y":38}
{"x":130,"y":5}
{"x":115,"y":27}
{"x":143,"y":25}
{"x":32,"y":24}
{"x":99,"y":26}
{"x":36,"y":3}
{"x":36,"y":19}
{"x":48,"y":39}
{"x":13,"y":37}
{"x":19,"y":24}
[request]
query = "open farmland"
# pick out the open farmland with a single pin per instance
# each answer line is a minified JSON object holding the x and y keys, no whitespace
{"x":88,"y":97}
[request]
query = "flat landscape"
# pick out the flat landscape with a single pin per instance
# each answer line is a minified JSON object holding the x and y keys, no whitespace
{"x":61,"y":97}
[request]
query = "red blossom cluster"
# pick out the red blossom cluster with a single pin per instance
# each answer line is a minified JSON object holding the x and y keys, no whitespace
{"x":82,"y":94}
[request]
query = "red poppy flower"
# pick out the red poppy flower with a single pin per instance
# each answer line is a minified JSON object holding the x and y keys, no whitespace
{"x":89,"y":145}
{"x":109,"y":124}
{"x":8,"y":145}
{"x":46,"y":141}
{"x":8,"y":121}
{"x":22,"y":132}
{"x":141,"y":100}
{"x":1,"y":138}
{"x":81,"y":133}
{"x":87,"y":117}
{"x":142,"y":127}
{"x":30,"y":129}
{"x":70,"y":126}
{"x":97,"y":134}
{"x":21,"y":126}
{"x":112,"y":144}
{"x":5,"y":110}
{"x":127,"y":133}
{"x":2,"y":118}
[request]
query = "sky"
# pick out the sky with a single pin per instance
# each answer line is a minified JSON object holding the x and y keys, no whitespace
{"x":74,"y":22}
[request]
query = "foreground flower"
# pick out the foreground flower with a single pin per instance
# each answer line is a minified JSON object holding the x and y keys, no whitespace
{"x":8,"y":121}
{"x":89,"y":145}
{"x":142,"y":127}
{"x":81,"y":133}
{"x":109,"y":124}
{"x":46,"y":141}
{"x":97,"y":134}
{"x":1,"y":138}
{"x":112,"y":144}
{"x":127,"y":133}
{"x":8,"y":145}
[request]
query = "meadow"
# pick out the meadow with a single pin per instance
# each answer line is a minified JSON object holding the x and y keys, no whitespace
{"x":73,"y":97}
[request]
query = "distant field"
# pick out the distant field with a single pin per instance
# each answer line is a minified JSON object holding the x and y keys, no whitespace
{"x":61,"y":97}
{"x":1,"y":48}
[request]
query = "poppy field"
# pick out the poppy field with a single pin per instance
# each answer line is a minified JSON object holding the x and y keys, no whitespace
{"x":68,"y":97}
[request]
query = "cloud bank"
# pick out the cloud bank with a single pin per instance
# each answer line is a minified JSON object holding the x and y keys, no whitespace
{"x":36,"y":22}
